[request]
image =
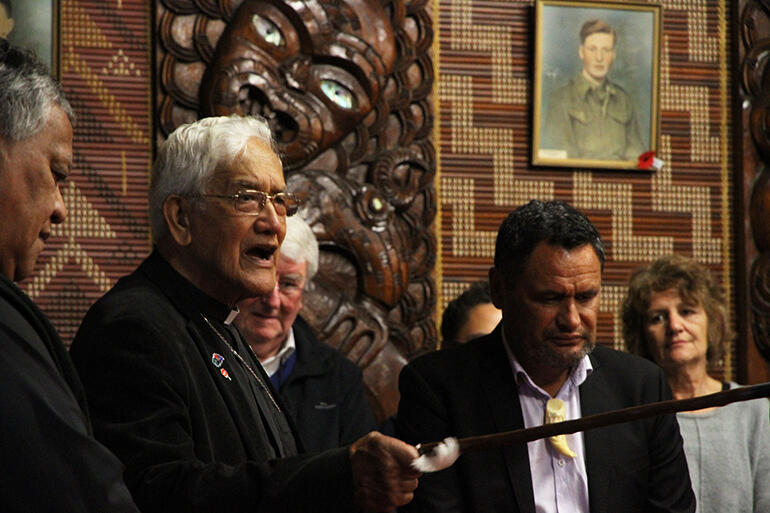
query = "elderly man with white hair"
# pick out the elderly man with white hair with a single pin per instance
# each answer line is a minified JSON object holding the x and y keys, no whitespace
{"x":174,"y":389}
{"x":322,"y":389}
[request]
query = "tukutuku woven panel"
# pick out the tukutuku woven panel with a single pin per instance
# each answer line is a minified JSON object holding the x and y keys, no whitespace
{"x":105,"y":68}
{"x":484,"y":93}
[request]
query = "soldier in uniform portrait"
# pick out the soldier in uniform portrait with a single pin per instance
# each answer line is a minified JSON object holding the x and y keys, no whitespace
{"x":591,"y":117}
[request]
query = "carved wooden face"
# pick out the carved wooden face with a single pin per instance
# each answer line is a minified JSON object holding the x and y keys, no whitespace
{"x":345,"y":85}
{"x":314,"y":69}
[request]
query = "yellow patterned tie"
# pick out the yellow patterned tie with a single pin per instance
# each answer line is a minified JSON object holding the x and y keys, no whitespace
{"x":555,"y":411}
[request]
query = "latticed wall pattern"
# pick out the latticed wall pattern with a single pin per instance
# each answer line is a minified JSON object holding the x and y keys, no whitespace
{"x":484,"y":94}
{"x":483,"y":57}
{"x":105,"y":68}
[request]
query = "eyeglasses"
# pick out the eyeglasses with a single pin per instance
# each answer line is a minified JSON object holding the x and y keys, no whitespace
{"x":251,"y":202}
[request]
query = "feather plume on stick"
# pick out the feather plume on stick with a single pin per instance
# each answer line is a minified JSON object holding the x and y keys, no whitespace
{"x":435,"y":456}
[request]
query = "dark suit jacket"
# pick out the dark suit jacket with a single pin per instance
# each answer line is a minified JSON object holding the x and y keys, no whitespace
{"x":471,"y":390}
{"x":325,"y":394}
{"x":192,"y":439}
{"x":49,"y":460}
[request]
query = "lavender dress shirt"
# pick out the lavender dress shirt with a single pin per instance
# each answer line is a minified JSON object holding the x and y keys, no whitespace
{"x":559,"y":483}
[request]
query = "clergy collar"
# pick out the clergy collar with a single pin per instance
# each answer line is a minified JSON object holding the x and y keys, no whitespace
{"x":186,"y":297}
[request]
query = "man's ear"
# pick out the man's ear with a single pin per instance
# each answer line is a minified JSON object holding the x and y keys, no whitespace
{"x":496,"y":287}
{"x":177,"y":217}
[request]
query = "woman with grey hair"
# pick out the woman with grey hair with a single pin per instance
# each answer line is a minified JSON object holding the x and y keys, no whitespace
{"x":674,"y":315}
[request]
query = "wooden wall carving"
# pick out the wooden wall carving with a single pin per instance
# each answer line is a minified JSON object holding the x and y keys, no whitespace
{"x":345,"y":85}
{"x":754,"y":57}
{"x":482,"y":92}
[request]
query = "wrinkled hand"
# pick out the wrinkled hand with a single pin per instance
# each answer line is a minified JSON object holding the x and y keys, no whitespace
{"x":383,"y":477}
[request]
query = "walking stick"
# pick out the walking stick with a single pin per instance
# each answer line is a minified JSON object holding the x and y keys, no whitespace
{"x":435,"y":455}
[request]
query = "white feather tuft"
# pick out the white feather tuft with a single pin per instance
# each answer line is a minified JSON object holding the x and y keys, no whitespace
{"x":441,"y":457}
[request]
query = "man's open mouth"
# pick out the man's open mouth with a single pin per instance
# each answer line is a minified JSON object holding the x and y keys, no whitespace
{"x":261,"y":252}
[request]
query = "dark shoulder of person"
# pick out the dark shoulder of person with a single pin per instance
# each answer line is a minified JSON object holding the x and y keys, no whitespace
{"x":327,"y":352}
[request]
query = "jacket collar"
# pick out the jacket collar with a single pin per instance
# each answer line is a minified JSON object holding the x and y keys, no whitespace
{"x":499,"y":385}
{"x":311,"y":359}
{"x":583,"y":86}
{"x":186,"y":297}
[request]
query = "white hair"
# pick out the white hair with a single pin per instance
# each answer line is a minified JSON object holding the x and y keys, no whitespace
{"x":28,"y":93}
{"x":300,"y":244}
{"x":189,"y":157}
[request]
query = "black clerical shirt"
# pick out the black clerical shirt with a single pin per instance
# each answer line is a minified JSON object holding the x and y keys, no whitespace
{"x":248,"y":374}
{"x":192,"y":425}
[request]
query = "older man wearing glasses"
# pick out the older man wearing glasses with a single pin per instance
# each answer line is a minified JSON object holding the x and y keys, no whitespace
{"x":322,"y":389}
{"x":174,"y":390}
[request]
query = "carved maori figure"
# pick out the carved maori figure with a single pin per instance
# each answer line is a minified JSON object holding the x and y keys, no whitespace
{"x":345,"y":86}
{"x":755,"y":74}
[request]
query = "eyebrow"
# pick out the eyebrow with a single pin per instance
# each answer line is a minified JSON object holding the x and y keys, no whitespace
{"x":243,"y":184}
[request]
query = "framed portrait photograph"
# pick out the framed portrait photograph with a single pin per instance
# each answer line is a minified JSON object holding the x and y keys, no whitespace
{"x":596,"y":84}
{"x":33,"y":24}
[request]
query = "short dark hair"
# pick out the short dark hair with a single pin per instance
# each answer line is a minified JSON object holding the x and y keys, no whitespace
{"x":456,"y":312}
{"x":694,"y":283}
{"x":597,"y":27}
{"x":7,"y":5}
{"x":553,"y":222}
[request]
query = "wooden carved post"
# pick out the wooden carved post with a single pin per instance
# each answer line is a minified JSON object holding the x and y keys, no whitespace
{"x":754,"y":152}
{"x":345,"y":85}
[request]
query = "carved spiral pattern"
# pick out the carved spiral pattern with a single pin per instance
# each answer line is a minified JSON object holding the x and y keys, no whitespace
{"x":755,"y":36}
{"x":345,"y":85}
{"x":760,"y":303}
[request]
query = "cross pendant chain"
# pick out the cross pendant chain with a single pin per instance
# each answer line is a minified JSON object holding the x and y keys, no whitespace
{"x":243,"y":362}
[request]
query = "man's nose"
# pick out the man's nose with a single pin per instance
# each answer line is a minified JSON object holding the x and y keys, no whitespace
{"x":569,"y":316}
{"x":273,"y":298}
{"x":269,"y":219}
{"x":59,"y":208}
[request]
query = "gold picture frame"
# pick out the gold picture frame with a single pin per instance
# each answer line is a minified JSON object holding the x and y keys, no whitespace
{"x":596,"y":89}
{"x":34,"y":24}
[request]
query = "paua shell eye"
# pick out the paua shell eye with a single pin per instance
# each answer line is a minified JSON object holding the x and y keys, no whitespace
{"x":338,"y":93}
{"x":267,"y":30}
